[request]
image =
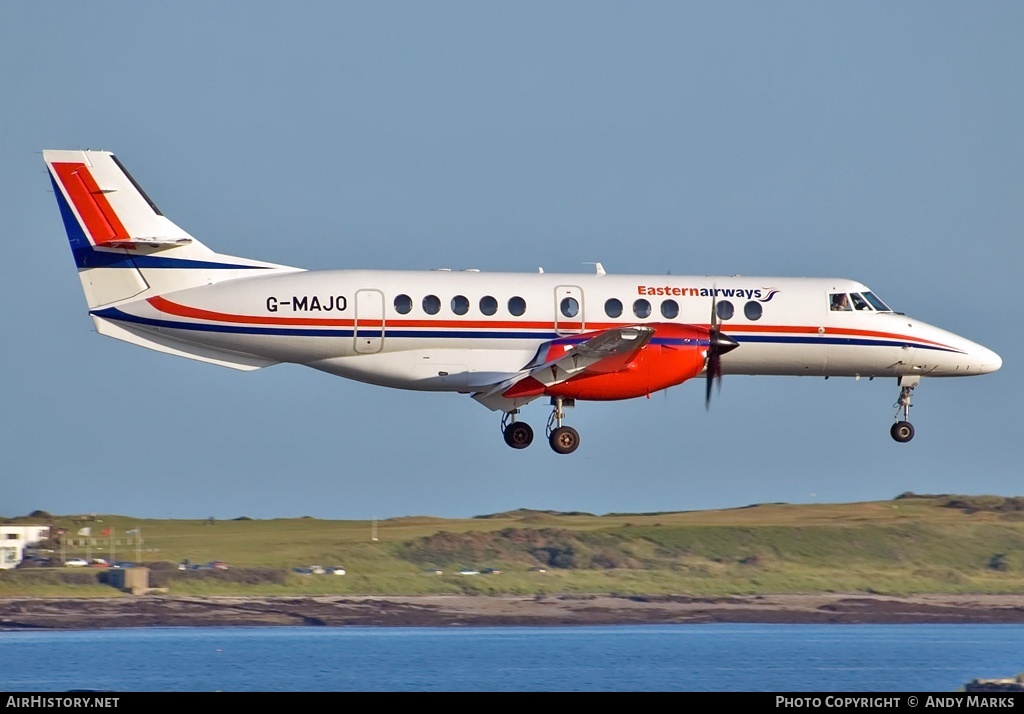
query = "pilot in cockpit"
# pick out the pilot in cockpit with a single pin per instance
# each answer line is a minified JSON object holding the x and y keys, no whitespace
{"x":840,"y":302}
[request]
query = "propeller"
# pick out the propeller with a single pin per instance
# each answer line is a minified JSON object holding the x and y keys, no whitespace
{"x":718,"y":345}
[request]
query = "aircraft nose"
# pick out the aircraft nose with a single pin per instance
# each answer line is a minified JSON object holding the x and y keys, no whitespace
{"x":988,"y":361}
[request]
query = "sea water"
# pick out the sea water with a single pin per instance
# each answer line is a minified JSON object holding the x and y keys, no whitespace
{"x":689,"y":658}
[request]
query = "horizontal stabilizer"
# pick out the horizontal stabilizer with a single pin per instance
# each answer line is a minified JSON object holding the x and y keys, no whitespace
{"x":156,"y":243}
{"x":180,"y":349}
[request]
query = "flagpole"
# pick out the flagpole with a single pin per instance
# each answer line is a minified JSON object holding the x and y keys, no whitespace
{"x":111,"y":546}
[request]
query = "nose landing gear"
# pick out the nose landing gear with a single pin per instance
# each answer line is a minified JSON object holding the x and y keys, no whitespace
{"x":903,"y":431}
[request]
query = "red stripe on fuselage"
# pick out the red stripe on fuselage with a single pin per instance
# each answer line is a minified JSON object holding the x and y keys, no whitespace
{"x":829,"y":331}
{"x":798,"y":330}
{"x":179,"y":310}
{"x":101,"y":222}
{"x":172,"y":308}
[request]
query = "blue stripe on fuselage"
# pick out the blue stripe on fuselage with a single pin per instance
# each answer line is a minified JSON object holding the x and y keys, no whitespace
{"x":857,"y":341}
{"x":113,"y":313}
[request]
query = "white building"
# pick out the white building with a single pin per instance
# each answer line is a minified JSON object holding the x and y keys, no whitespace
{"x":13,"y":540}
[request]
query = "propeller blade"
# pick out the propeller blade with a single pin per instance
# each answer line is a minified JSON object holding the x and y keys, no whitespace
{"x":710,"y":380}
{"x":713,"y":362}
{"x":718,"y":345}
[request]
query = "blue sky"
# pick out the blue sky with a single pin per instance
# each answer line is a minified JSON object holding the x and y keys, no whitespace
{"x":876,"y":141}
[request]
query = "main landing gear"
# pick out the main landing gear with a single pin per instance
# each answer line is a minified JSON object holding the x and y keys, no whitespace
{"x":563,"y":439}
{"x":903,"y":431}
{"x":518,"y":434}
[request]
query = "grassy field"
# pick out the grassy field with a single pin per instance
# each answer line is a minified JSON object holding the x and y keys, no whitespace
{"x":911,"y":544}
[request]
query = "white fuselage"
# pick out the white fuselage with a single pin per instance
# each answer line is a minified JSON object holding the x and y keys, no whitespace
{"x":459,"y":331}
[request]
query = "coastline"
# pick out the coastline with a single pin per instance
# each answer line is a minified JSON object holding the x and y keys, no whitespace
{"x":504,"y":611}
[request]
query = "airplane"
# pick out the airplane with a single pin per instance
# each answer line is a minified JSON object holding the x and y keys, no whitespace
{"x":505,"y":339}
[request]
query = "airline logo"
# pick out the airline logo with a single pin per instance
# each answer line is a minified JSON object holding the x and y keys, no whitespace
{"x":759,"y":294}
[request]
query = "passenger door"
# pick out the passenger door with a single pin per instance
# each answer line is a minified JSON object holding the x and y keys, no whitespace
{"x":369,"y":323}
{"x":569,"y":318}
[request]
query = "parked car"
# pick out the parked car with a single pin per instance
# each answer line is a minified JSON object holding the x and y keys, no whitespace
{"x":35,"y":562}
{"x":76,"y":563}
{"x":336,"y":570}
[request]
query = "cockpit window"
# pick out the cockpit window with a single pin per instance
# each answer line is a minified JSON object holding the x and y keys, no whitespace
{"x":876,"y":303}
{"x":839,"y":302}
{"x":859,"y":303}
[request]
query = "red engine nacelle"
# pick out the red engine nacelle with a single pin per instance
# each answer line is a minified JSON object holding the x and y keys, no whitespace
{"x":673,"y":355}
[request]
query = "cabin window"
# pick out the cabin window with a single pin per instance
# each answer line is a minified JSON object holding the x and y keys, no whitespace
{"x":613,"y":307}
{"x":641,"y":308}
{"x":488,"y":305}
{"x":431,"y":304}
{"x":517,"y":306}
{"x":859,"y":303}
{"x":753,"y":310}
{"x":839,"y":302}
{"x":460,"y":304}
{"x":403,"y":304}
{"x":669,"y":309}
{"x":725,"y":310}
{"x":570,"y":307}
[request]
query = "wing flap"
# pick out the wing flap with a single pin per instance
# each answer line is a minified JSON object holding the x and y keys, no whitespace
{"x":608,"y":351}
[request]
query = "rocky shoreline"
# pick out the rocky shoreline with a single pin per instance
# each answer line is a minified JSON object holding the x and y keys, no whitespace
{"x":466,"y":610}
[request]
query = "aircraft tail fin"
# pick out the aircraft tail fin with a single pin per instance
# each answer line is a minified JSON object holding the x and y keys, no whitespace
{"x":123,"y":246}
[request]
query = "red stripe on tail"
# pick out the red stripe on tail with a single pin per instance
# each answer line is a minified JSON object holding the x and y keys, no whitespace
{"x":101,"y":223}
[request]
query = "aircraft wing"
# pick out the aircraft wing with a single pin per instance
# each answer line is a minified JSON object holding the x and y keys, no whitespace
{"x":558,"y":360}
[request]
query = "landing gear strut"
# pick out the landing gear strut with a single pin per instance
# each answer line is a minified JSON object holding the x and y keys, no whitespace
{"x":563,"y":439}
{"x":518,"y":434}
{"x":903,"y":431}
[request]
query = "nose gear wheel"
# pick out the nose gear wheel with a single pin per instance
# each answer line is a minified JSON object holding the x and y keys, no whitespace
{"x":903,"y":431}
